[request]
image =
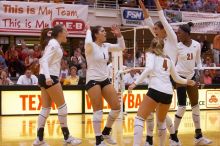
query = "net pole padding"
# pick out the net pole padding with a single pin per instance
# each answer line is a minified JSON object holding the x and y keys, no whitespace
{"x":117,"y":64}
{"x":135,"y":45}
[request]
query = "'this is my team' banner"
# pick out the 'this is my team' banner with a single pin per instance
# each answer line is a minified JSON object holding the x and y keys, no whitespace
{"x":28,"y":18}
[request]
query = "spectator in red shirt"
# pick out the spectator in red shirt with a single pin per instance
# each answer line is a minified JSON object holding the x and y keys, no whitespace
{"x":37,"y":51}
{"x":24,"y":52}
{"x":207,"y":79}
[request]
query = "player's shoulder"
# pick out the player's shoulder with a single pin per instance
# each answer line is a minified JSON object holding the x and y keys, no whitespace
{"x":150,"y":54}
{"x":195,"y":42}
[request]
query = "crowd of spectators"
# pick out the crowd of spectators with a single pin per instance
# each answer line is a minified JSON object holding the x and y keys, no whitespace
{"x":179,"y":5}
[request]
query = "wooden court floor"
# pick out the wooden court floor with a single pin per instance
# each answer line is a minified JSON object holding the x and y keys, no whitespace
{"x":21,"y":130}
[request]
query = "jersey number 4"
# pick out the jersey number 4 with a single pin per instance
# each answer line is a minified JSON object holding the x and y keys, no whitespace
{"x":165,"y":64}
{"x":189,"y":56}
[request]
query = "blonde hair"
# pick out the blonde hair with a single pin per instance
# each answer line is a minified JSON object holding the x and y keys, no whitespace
{"x":156,"y":47}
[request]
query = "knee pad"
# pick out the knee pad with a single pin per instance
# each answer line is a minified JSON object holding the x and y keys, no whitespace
{"x":139,"y":121}
{"x":161,"y":127}
{"x":114,"y":114}
{"x":168,"y":121}
{"x":180,"y":112}
{"x":97,"y":116}
{"x":62,"y":110}
{"x":45,"y":112}
{"x":196,"y":110}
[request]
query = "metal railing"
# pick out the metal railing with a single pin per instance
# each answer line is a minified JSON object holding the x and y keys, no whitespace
{"x":111,"y":4}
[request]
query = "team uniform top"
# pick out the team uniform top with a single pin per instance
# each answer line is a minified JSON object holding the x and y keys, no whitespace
{"x":188,"y":58}
{"x":51,"y":59}
{"x":159,"y":70}
{"x":170,"y":42}
{"x":97,"y":59}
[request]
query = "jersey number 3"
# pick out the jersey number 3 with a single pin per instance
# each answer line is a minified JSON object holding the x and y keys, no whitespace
{"x":189,"y":56}
{"x":165,"y":64}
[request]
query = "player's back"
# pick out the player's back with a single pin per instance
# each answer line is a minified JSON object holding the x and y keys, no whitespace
{"x":160,"y":75}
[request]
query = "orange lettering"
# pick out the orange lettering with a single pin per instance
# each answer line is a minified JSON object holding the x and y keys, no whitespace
{"x":88,"y":102}
{"x":23,"y":97}
{"x":40,"y":102}
{"x":130,"y":100}
{"x":138,"y":100}
{"x":31,"y":102}
{"x":53,"y":105}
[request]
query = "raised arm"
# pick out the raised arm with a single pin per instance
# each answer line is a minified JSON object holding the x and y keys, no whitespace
{"x":169,"y":30}
{"x":147,"y":19}
{"x":88,"y":40}
{"x":120,"y":46}
{"x":148,"y":68}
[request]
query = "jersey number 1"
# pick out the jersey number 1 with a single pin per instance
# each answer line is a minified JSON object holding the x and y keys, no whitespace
{"x":165,"y":64}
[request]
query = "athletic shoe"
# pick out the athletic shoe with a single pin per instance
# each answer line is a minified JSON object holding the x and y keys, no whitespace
{"x":147,"y":144}
{"x":72,"y":141}
{"x":109,"y":139}
{"x":37,"y":142}
{"x":202,"y":141}
{"x":101,"y":144}
{"x":174,"y":143}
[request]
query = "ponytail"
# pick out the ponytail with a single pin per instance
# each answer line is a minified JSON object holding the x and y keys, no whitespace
{"x":44,"y":38}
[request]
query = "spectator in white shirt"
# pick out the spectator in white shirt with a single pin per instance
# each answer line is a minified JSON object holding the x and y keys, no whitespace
{"x":27,"y":79}
{"x":130,"y":77}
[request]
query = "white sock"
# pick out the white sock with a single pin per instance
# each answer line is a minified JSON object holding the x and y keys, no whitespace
{"x":113,"y":115}
{"x":62,"y":115}
{"x":178,"y":116}
{"x":196,"y":116}
{"x":162,"y":133}
{"x":170,"y":125}
{"x":150,"y":124}
{"x":97,"y":119}
{"x":138,"y":130}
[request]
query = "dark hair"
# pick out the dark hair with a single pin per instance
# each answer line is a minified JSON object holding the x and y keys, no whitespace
{"x":44,"y":39}
{"x":159,"y":24}
{"x":95,"y":30}
{"x":186,"y":27}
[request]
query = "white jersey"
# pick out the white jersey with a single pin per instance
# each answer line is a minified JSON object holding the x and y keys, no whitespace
{"x":98,"y":56}
{"x":51,"y":59}
{"x":159,"y":69}
{"x":170,"y":42}
{"x":188,"y":58}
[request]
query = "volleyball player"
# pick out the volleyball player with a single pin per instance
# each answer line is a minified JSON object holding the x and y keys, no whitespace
{"x":48,"y":81}
{"x":188,"y":55}
{"x":98,"y":84}
{"x":164,"y":31}
{"x":160,"y":90}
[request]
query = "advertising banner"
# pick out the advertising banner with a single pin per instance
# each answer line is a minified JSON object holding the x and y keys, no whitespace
{"x":29,"y":18}
{"x":29,"y":102}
